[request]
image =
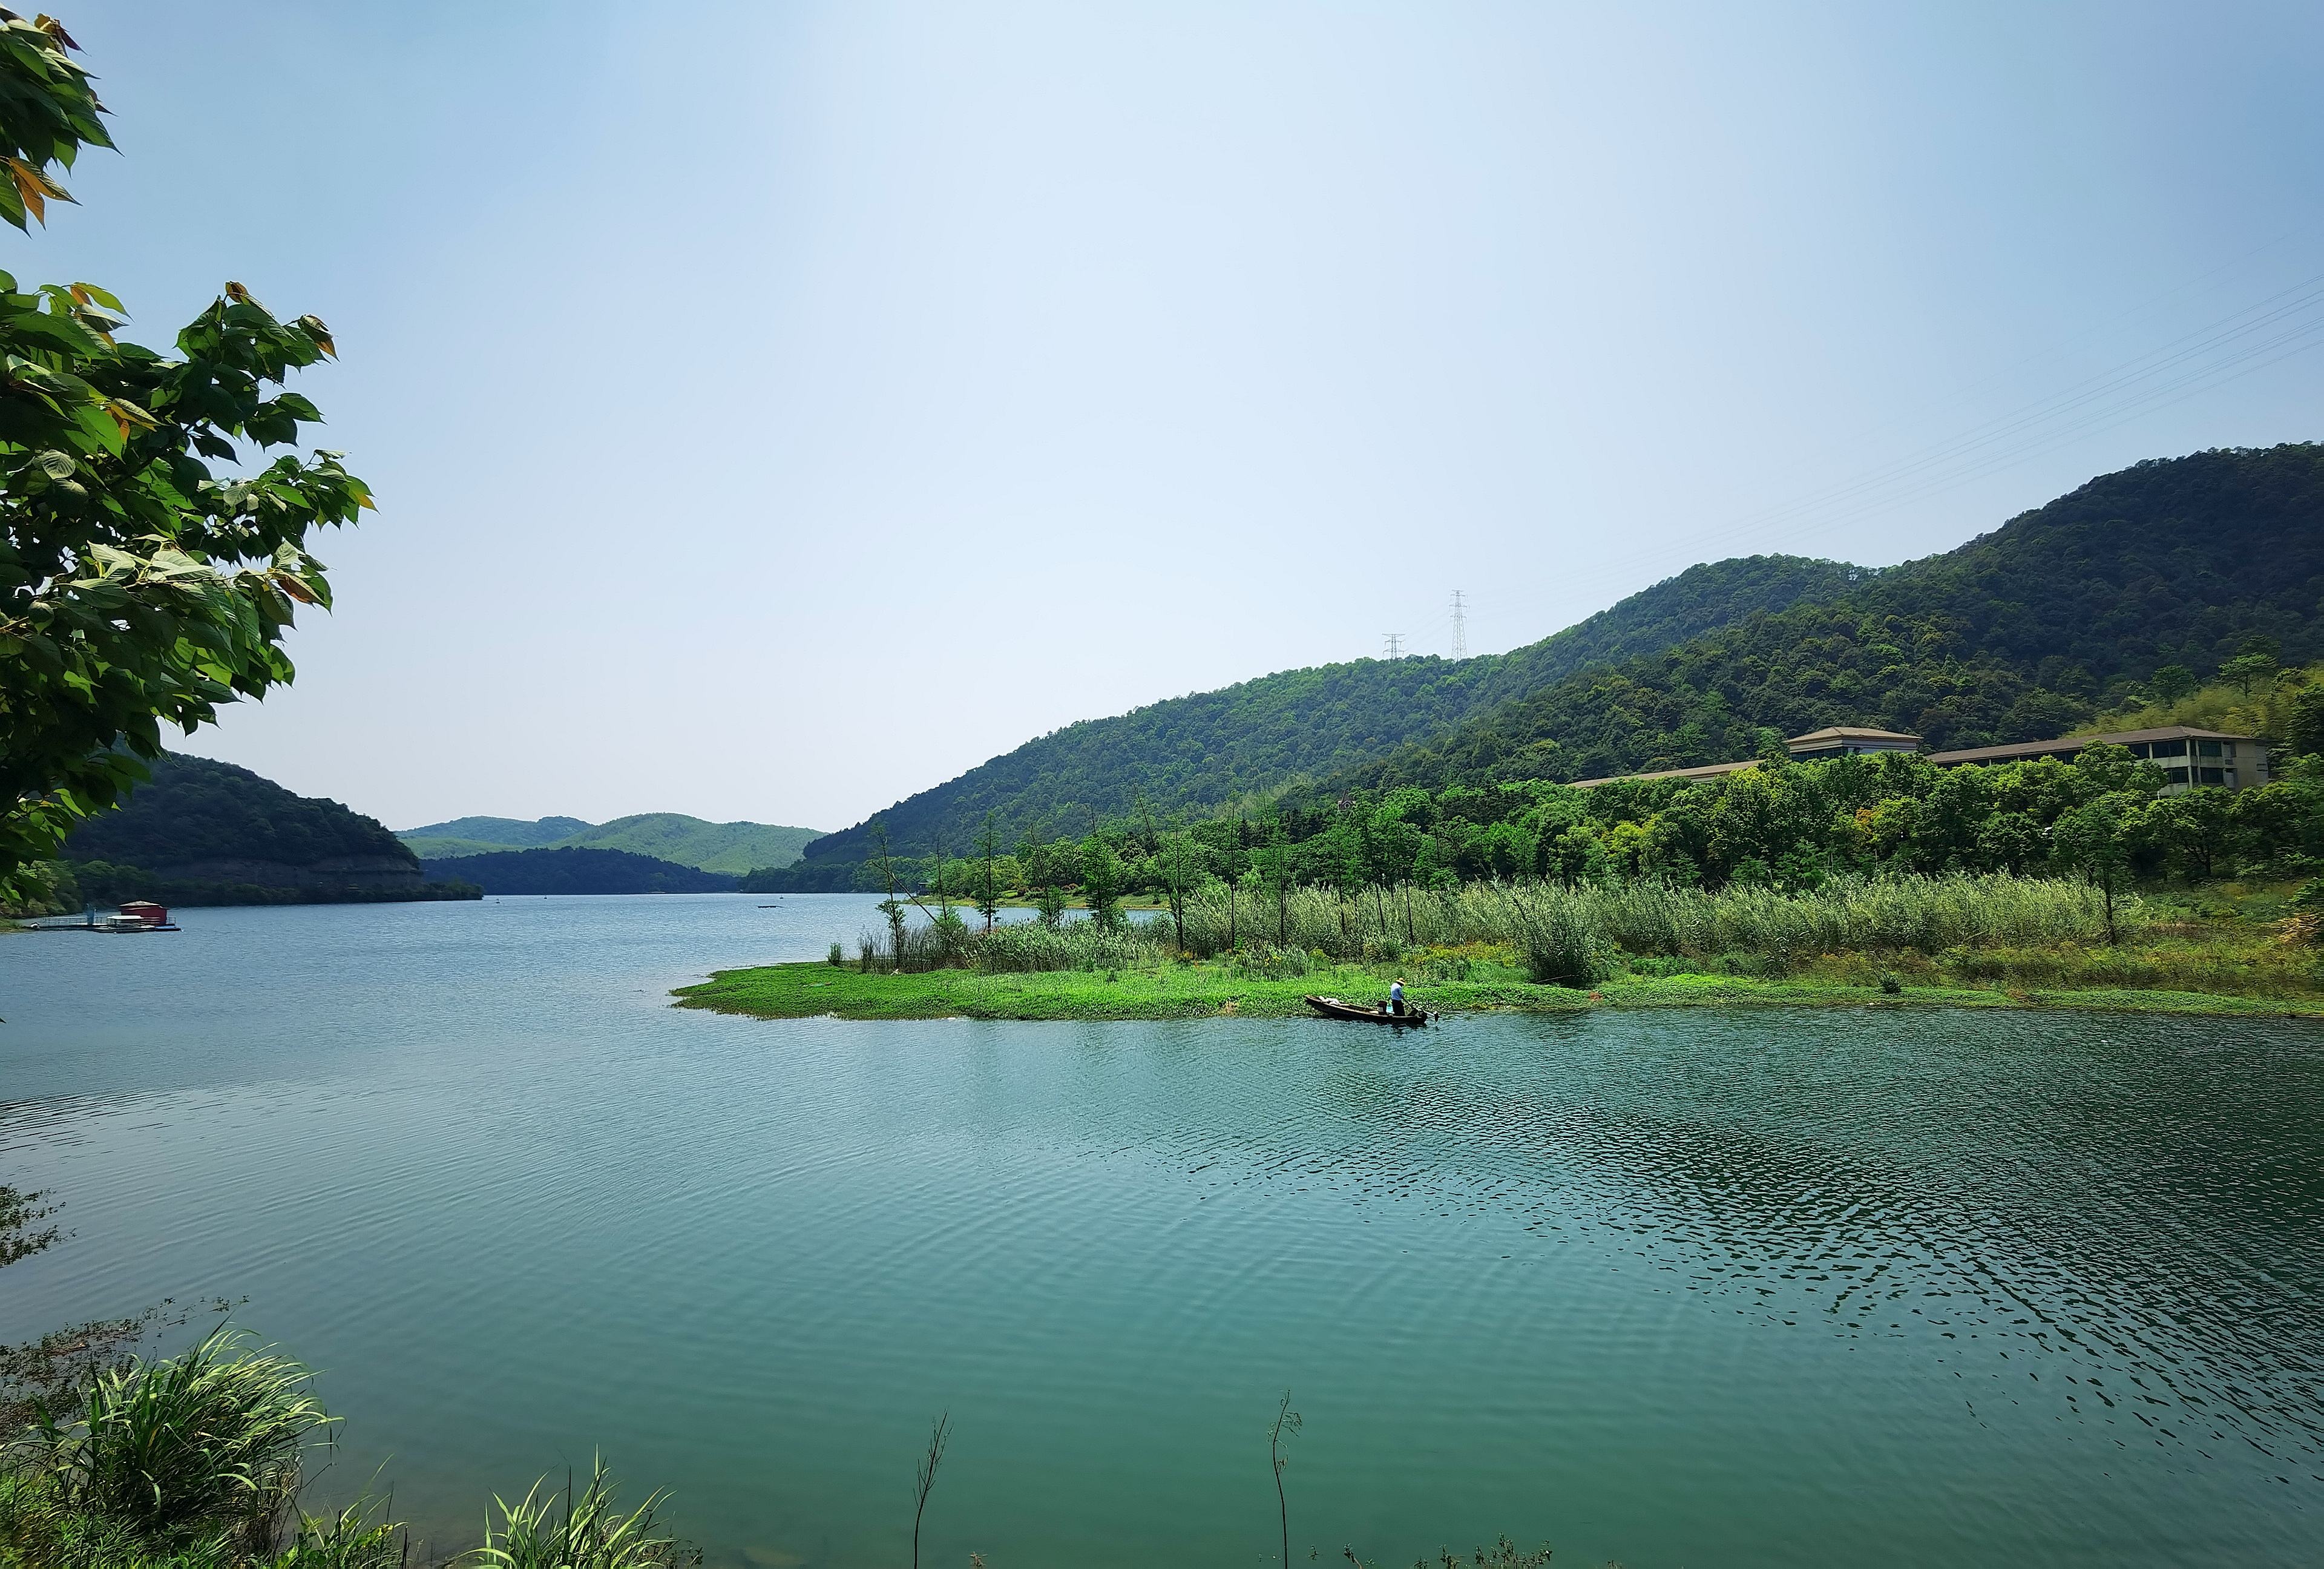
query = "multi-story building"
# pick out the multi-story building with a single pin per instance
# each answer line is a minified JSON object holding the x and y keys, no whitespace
{"x":2188,"y":756}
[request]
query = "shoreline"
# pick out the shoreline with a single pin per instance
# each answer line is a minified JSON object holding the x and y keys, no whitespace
{"x":813,"y":990}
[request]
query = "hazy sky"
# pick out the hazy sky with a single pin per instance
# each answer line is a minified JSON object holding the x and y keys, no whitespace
{"x":775,"y":410}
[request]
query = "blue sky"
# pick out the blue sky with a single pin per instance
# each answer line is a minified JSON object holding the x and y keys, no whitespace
{"x":776,"y":409}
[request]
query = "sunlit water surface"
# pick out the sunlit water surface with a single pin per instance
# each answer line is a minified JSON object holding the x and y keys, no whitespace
{"x":1750,"y":1289}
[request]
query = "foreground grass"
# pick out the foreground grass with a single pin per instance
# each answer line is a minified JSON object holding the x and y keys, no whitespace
{"x":1203,"y":991}
{"x":197,"y":1462}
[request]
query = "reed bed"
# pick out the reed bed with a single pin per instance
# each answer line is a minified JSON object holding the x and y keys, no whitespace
{"x":1025,"y":947}
{"x":1924,"y":913}
{"x":1575,"y":934}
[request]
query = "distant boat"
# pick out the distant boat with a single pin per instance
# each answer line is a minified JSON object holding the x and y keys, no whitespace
{"x":1332,"y":1007}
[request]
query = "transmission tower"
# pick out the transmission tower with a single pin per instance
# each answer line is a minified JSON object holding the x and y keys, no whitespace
{"x":1395,"y":642}
{"x":1460,"y":627}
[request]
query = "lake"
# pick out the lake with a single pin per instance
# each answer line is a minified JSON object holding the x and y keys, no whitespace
{"x":1683,"y":1289}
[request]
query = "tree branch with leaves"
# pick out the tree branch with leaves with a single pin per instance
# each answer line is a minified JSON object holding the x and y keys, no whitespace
{"x":139,"y":586}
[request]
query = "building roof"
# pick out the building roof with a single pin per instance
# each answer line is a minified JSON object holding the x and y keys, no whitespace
{"x":2072,"y":743}
{"x":1840,"y":734}
{"x":1704,"y":771}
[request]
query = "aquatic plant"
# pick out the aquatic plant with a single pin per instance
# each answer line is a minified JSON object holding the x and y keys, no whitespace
{"x":546,"y":1529}
{"x":359,"y":1536}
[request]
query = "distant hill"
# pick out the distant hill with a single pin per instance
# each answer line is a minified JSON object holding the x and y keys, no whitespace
{"x":567,"y":869}
{"x":499,"y":833}
{"x":727,"y":847}
{"x":1250,"y":740}
{"x":202,"y":832}
{"x":735,"y":847}
{"x":2022,"y":633}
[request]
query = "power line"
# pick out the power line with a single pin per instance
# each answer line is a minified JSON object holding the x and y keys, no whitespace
{"x":2273,"y":328}
{"x":1460,"y":627}
{"x":1395,"y":642}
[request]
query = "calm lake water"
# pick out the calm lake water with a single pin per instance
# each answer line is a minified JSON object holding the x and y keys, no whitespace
{"x":1752,"y":1289}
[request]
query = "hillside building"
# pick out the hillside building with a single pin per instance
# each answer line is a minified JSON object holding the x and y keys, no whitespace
{"x":1845,"y":741}
{"x":2188,"y":757}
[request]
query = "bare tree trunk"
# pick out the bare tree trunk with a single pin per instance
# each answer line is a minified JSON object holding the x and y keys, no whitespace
{"x":923,"y":1478}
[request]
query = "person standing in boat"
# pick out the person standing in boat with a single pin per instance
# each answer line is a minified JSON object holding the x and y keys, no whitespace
{"x":1396,"y":995}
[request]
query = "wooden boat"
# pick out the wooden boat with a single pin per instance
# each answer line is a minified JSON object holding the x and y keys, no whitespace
{"x":1332,"y":1007}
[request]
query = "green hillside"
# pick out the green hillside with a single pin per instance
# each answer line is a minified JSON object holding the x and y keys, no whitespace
{"x":672,"y":837}
{"x":1207,"y":750}
{"x":2019,"y":634}
{"x":733,"y":847}
{"x":495,"y":832}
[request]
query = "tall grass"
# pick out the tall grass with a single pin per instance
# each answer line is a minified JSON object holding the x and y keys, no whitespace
{"x":1078,"y":945}
{"x":1570,"y":934}
{"x":1559,"y":932}
{"x":1566,"y":935}
{"x":206,"y":1445}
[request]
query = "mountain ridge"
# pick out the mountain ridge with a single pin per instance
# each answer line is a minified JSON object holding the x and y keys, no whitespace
{"x":731,"y":848}
{"x":1266,"y":734}
{"x":2022,"y":630}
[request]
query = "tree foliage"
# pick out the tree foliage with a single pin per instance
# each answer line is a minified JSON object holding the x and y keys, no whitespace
{"x":152,"y":533}
{"x":196,"y":809}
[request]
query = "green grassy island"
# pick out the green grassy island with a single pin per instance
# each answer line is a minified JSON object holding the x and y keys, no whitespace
{"x":1542,"y":947}
{"x":1198,"y":991}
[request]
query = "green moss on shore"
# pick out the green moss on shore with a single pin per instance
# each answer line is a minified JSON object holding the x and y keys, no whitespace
{"x":805,"y":990}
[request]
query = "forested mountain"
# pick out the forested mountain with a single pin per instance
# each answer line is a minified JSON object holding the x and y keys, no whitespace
{"x":202,"y":832}
{"x":569,"y":869}
{"x":673,"y":836}
{"x":2019,"y":634}
{"x":196,"y":810}
{"x":1207,"y":750}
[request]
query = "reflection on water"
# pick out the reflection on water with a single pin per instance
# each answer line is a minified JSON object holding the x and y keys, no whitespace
{"x":1777,"y":1288}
